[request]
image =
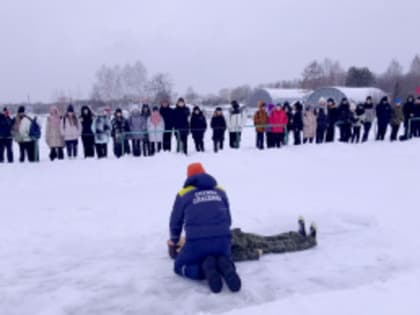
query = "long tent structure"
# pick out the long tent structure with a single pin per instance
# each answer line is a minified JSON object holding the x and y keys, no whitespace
{"x":337,"y":93}
{"x":275,"y":96}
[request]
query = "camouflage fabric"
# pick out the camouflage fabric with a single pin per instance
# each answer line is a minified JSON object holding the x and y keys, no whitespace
{"x":246,"y":246}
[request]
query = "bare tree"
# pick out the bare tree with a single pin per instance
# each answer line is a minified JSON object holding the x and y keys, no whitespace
{"x":191,"y":96}
{"x":159,"y":88}
{"x":313,"y":76}
{"x":241,"y":93}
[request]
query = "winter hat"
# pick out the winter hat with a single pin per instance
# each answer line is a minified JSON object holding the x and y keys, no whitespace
{"x":322,"y":100}
{"x":118,"y":111}
{"x":70,"y":109}
{"x":21,"y":109}
{"x":219,"y":109}
{"x":195,"y":169}
{"x":330,"y":100}
{"x":235,"y":104}
{"x":155,"y":108}
{"x":369,"y":98}
{"x":397,"y":100}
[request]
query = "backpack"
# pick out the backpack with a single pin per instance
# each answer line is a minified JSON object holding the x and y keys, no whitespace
{"x":35,"y":130}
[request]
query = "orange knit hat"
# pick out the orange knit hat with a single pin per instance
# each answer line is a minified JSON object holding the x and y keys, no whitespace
{"x":195,"y":169}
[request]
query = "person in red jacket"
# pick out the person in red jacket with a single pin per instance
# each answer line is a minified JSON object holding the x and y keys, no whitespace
{"x":278,"y":120}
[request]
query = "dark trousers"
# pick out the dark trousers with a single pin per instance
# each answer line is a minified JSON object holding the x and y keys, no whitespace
{"x":382,"y":127}
{"x":218,"y":145}
{"x":269,"y":140}
{"x":182,"y":143}
{"x":139,"y":146}
{"x":320,"y":135}
{"x":394,"y":132}
{"x":355,"y":138}
{"x":277,"y":139}
{"x":415,"y":128}
{"x":56,"y":153}
{"x":88,"y":145}
{"x":366,"y":126}
{"x":234,"y":139}
{"x":345,"y":132}
{"x":260,"y":140}
{"x":155,"y":147}
{"x":167,"y":141}
{"x":330,"y":137}
{"x":101,"y":150}
{"x":27,"y":149}
{"x":6,"y":145}
{"x":189,"y":261}
{"x":71,"y":147}
{"x":297,"y":135}
{"x":120,"y":148}
{"x":306,"y":140}
{"x":199,"y":144}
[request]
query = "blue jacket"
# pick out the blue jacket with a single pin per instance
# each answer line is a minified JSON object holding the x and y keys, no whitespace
{"x":6,"y":124}
{"x":202,"y":208}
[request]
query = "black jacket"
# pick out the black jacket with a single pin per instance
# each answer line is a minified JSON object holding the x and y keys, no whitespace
{"x":198,"y":125}
{"x":332,"y":116}
{"x":119,"y":127}
{"x":86,"y":121}
{"x":383,"y":112}
{"x":181,"y":123}
{"x":167,"y":114}
{"x":298,"y":121}
{"x":218,"y":123}
{"x":322,"y":120}
{"x":6,"y":124}
{"x":345,"y":115}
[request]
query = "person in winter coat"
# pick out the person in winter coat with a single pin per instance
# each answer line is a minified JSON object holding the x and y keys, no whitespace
{"x":408,"y":111}
{"x":289,"y":112}
{"x":21,"y":133}
{"x":344,"y":122}
{"x":167,"y":114}
{"x":219,"y":126}
{"x":332,"y":114}
{"x":88,"y":139}
{"x":397,"y":117}
{"x":358,"y":118}
{"x":298,"y":123}
{"x":101,"y":128}
{"x":71,"y":131}
{"x":278,"y":121}
{"x":119,"y":128}
{"x":202,"y":209}
{"x":138,"y":128}
{"x":53,"y":136}
{"x":370,"y":115}
{"x":415,"y":122}
{"x":6,"y":139}
{"x":155,"y":128}
{"x":198,"y":128}
{"x":260,"y":122}
{"x":321,"y":125}
{"x":251,"y":246}
{"x":270,"y":140}
{"x":383,"y":113}
{"x":309,"y":125}
{"x":235,"y":124}
{"x":182,"y":125}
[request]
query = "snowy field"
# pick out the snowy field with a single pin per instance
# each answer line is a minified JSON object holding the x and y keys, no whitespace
{"x":89,"y":237}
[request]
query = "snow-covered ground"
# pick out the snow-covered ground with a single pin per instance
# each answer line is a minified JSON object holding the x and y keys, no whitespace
{"x":88,"y":237}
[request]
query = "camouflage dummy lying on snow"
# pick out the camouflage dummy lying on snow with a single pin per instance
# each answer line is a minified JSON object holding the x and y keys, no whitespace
{"x":247,"y":246}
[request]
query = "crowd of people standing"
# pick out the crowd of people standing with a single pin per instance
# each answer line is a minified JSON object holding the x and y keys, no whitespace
{"x":147,"y":130}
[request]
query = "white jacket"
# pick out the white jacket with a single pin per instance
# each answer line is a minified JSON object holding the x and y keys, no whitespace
{"x":69,"y":131}
{"x":236,"y":122}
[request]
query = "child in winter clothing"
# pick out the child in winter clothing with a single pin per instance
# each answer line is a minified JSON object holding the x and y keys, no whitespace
{"x":71,"y":131}
{"x":119,"y":128}
{"x":207,"y":251}
{"x":53,"y":136}
{"x":278,"y":121}
{"x":332,"y":115}
{"x":383,"y":113}
{"x":182,"y":125}
{"x":260,"y":122}
{"x":88,"y":140}
{"x":236,"y":122}
{"x":397,"y":117}
{"x":102,"y":130}
{"x":289,"y":112}
{"x":155,"y":128}
{"x":369,"y":117}
{"x":270,"y":141}
{"x":298,"y":123}
{"x":198,"y":128}
{"x":321,"y":125}
{"x":358,"y":118}
{"x":138,"y":128}
{"x":344,"y":122}
{"x":21,"y":133}
{"x":167,"y":114}
{"x":415,"y":125}
{"x":309,"y":125}
{"x":6,"y":139}
{"x":218,"y":124}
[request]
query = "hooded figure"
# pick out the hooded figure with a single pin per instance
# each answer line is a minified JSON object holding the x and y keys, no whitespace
{"x":289,"y":112}
{"x":88,"y":139}
{"x":102,"y":130}
{"x":383,"y":113}
{"x":207,"y":251}
{"x":182,"y":125}
{"x":235,"y":125}
{"x":155,"y":128}
{"x":198,"y":128}
{"x":53,"y":136}
{"x":260,"y":122}
{"x":408,"y":111}
{"x":6,"y":139}
{"x":219,"y":126}
{"x":309,"y":125}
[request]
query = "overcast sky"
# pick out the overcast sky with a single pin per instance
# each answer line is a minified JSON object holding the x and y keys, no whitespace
{"x":54,"y":45}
